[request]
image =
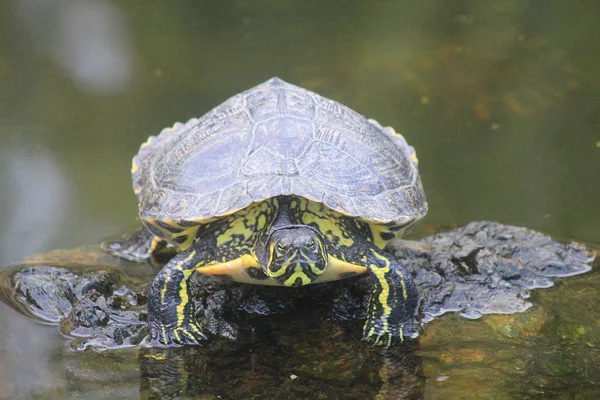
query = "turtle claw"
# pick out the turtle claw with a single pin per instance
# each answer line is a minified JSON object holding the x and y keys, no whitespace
{"x":181,"y":335}
{"x":123,"y":250}
{"x":383,"y":339}
{"x":386,"y":337}
{"x":138,"y":246}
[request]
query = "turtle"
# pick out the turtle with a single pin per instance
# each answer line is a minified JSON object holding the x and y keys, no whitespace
{"x":276,"y":186}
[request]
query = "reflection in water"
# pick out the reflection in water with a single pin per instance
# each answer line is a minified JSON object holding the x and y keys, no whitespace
{"x":27,"y":206}
{"x":267,"y":371}
{"x":27,"y":349}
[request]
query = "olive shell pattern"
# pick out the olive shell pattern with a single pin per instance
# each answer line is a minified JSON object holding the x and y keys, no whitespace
{"x":278,"y":139}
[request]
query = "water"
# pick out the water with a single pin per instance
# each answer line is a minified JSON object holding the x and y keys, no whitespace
{"x":500,"y":99}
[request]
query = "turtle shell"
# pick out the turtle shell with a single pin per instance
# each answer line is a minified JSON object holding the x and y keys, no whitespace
{"x":278,"y":139}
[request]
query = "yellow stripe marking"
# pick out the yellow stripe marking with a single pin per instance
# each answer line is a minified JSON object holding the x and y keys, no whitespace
{"x":315,"y":270}
{"x":154,"y":244}
{"x":385,"y":288}
{"x":377,"y":230}
{"x":298,"y":273}
{"x":183,"y":287}
{"x":262,"y":221}
{"x":163,"y":292}
{"x":404,"y":292}
{"x":195,"y":329}
{"x":251,"y":216}
{"x":326,"y":222}
{"x":183,"y":296}
{"x":281,"y":271}
{"x":190,"y":336}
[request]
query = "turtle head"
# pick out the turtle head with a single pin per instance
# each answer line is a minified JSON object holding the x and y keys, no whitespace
{"x":297,"y":256}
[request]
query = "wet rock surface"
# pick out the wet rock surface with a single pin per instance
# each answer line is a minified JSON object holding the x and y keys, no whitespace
{"x":486,"y":267}
{"x":478,"y":269}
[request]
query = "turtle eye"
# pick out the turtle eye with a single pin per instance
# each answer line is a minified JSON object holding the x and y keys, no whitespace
{"x":312,"y":245}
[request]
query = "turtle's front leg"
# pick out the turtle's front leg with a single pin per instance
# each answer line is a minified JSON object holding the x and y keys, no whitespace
{"x":170,"y":309}
{"x":393,"y":301}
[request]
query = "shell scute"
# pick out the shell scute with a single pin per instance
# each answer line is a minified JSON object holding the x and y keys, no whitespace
{"x":278,"y":139}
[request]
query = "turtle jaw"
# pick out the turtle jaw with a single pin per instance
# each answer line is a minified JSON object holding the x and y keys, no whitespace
{"x":297,"y":256}
{"x":294,"y":273}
